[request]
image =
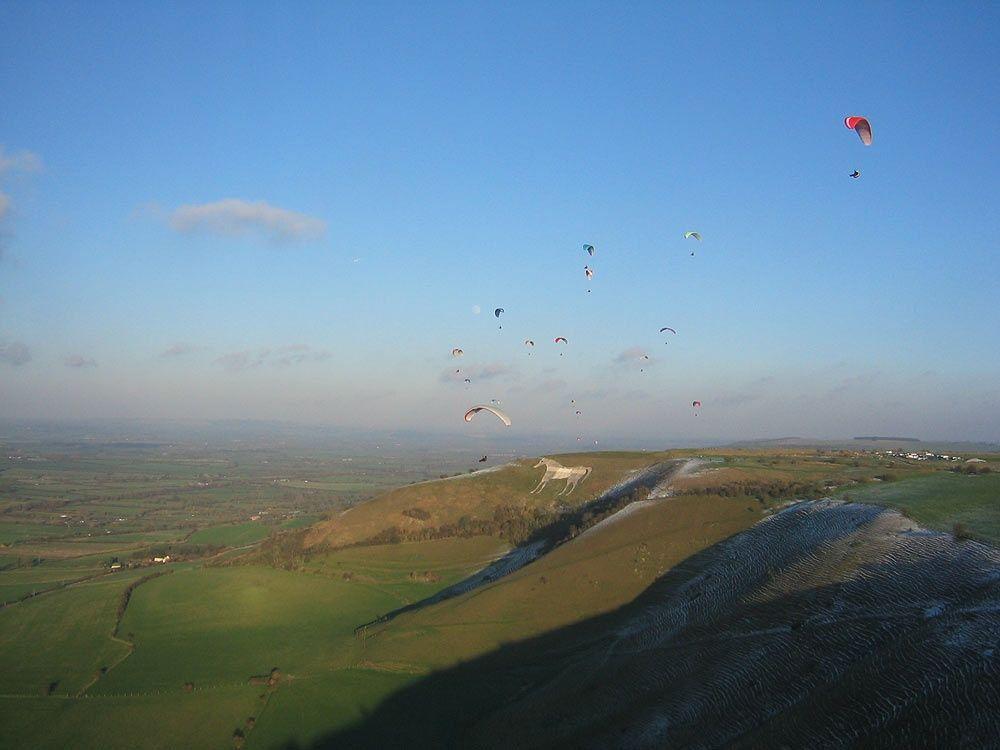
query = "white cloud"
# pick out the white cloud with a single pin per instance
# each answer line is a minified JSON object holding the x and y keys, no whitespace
{"x":14,"y":353}
{"x":237,"y":218}
{"x":78,"y":361}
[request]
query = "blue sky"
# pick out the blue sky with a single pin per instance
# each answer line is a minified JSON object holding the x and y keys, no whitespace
{"x":388,"y":166}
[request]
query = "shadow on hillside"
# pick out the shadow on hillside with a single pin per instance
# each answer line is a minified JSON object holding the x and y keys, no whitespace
{"x":544,"y":540}
{"x":897,"y":653}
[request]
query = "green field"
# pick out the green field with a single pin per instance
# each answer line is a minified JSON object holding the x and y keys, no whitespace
{"x":190,"y":641}
{"x":19,"y":532}
{"x":941,"y":500}
{"x":231,"y":535}
{"x":69,"y":636}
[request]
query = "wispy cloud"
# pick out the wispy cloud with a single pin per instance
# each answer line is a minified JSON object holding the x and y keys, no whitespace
{"x":295,"y":354}
{"x":854,"y":383}
{"x":233,"y":217}
{"x":284,"y":356}
{"x":634,"y":354}
{"x":179,"y":349}
{"x":14,"y":353}
{"x":78,"y":361}
{"x":734,"y":400}
{"x":237,"y":361}
{"x":490,"y":371}
{"x":19,"y":161}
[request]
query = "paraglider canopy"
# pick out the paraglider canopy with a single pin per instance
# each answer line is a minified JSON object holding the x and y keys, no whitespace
{"x":562,"y":339}
{"x":456,"y":352}
{"x":498,"y":312}
{"x":861,"y":126}
{"x":668,"y":328}
{"x":590,"y":249}
{"x":482,"y":407}
{"x":856,"y":174}
{"x":696,"y":404}
{"x":529,"y":342}
{"x":692,"y":236}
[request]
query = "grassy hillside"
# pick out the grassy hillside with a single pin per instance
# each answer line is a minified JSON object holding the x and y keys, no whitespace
{"x":433,"y":504}
{"x":600,"y":570}
{"x":829,"y":620}
{"x":941,"y":500}
{"x":191,"y":641}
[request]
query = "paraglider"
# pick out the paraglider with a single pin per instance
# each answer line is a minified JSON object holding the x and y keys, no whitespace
{"x":692,"y":236}
{"x":668,"y":328}
{"x":456,"y":352}
{"x":495,"y":412}
{"x":590,"y":249}
{"x":530,"y":344}
{"x":468,"y":381}
{"x":578,"y":412}
{"x":484,"y":459}
{"x":497,"y":313}
{"x":696,"y":405}
{"x":561,"y":339}
{"x":856,"y":174}
{"x":861,"y":126}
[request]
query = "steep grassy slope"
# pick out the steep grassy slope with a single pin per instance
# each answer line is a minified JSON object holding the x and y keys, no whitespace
{"x":476,"y":496}
{"x":598,"y":571}
{"x":827,"y":623}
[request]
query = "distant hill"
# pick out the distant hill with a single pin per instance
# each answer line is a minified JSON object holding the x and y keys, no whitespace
{"x":877,"y":438}
{"x":861,"y":443}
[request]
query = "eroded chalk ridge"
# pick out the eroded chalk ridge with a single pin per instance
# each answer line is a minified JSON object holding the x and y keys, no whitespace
{"x":829,"y":624}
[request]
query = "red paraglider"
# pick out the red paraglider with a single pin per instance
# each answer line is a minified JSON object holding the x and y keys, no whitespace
{"x":861,"y":126}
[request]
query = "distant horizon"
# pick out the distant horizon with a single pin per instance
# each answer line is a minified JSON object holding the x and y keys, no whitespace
{"x":179,"y":430}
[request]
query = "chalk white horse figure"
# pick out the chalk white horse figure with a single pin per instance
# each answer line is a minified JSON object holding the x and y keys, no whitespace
{"x":555,"y":470}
